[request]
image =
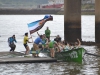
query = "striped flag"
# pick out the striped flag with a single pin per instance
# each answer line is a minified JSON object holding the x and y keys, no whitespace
{"x":37,"y":25}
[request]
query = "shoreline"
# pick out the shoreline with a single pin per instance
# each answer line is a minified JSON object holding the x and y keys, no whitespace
{"x":35,"y":11}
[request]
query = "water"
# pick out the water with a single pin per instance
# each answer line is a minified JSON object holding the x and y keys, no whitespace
{"x":17,"y":24}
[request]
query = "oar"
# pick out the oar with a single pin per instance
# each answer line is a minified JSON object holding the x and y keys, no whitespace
{"x":92,"y":54}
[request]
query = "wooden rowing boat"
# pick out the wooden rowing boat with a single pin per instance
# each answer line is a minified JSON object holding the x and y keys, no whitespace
{"x":74,"y":55}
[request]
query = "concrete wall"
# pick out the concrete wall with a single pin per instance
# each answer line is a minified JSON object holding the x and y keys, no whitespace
{"x":28,"y":11}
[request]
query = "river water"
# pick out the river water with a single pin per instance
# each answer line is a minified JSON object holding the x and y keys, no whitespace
{"x":17,"y":24}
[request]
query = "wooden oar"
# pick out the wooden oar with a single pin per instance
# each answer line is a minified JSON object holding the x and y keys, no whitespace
{"x":92,"y":54}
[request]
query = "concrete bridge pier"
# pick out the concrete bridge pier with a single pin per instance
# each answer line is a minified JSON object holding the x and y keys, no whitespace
{"x":72,"y":20}
{"x":97,"y":21}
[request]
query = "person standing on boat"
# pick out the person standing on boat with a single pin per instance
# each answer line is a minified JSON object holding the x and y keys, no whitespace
{"x":25,"y":41}
{"x":11,"y":43}
{"x":47,"y":33}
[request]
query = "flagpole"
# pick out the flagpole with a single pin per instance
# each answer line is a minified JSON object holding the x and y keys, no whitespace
{"x":31,"y":37}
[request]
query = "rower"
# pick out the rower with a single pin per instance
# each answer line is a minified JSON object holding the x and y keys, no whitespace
{"x":77,"y":44}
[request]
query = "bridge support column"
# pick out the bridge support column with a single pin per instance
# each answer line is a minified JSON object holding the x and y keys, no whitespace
{"x":72,"y":20}
{"x":97,"y":21}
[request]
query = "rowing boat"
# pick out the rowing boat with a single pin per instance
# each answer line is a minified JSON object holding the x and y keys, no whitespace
{"x":74,"y":55}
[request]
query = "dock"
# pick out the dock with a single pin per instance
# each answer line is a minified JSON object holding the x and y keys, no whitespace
{"x":18,"y":57}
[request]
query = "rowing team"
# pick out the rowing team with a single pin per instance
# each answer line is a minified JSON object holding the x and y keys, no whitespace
{"x":45,"y":44}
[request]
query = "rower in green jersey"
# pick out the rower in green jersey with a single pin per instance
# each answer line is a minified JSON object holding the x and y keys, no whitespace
{"x":52,"y":45}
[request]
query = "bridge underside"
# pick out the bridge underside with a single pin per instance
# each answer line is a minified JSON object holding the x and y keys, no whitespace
{"x":72,"y":20}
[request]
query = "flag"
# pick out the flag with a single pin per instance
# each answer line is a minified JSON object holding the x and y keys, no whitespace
{"x":37,"y":25}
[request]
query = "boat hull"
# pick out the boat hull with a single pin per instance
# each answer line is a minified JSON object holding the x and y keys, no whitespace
{"x":75,"y":55}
